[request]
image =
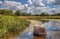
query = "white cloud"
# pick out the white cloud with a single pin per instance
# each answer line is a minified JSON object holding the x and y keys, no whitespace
{"x":57,"y":2}
{"x":26,"y":5}
{"x":50,"y":1}
{"x":37,"y":7}
{"x":12,"y":5}
{"x":33,"y":6}
{"x":1,"y":2}
{"x":38,"y":3}
{"x":29,"y":1}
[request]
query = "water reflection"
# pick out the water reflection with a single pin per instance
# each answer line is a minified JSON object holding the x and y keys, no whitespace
{"x":52,"y":28}
{"x":27,"y":33}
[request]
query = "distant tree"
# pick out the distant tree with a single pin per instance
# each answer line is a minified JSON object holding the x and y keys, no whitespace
{"x":36,"y":15}
{"x":56,"y":14}
{"x":29,"y":14}
{"x":26,"y":14}
{"x":18,"y":12}
{"x":6,"y":12}
{"x":44,"y":14}
{"x":47,"y":14}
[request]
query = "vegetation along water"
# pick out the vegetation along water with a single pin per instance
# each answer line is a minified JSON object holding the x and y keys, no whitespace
{"x":11,"y":26}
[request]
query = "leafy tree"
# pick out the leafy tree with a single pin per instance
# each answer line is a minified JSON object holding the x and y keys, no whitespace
{"x":28,"y":14}
{"x":36,"y":15}
{"x":18,"y":12}
{"x":6,"y":12}
{"x":56,"y":14}
{"x":44,"y":14}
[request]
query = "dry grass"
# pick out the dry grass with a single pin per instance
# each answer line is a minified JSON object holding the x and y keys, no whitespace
{"x":40,"y":17}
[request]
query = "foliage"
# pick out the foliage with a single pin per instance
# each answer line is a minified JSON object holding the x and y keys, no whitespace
{"x":57,"y":14}
{"x":17,"y":12}
{"x":6,"y":12}
{"x":12,"y":24}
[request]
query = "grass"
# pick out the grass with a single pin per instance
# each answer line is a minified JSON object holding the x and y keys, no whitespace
{"x":11,"y":25}
{"x":40,"y":17}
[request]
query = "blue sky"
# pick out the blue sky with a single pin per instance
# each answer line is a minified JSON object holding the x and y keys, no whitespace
{"x":22,"y":1}
{"x":33,"y":6}
{"x":25,"y":1}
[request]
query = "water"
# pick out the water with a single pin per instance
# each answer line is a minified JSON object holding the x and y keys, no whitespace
{"x":27,"y":33}
{"x":52,"y":28}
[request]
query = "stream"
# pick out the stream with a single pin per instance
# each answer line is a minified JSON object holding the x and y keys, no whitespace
{"x":52,"y":29}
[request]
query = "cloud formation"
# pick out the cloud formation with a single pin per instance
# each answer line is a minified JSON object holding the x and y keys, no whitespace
{"x":57,"y":2}
{"x":1,"y":2}
{"x":50,"y":1}
{"x":32,"y":6}
{"x":12,"y":5}
{"x":38,"y":3}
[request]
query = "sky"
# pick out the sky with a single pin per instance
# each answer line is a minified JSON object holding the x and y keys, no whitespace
{"x":32,"y":6}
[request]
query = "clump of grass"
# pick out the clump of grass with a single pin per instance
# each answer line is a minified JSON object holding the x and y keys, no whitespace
{"x":12,"y":25}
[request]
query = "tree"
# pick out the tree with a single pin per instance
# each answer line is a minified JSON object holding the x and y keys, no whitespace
{"x":29,"y":14}
{"x":44,"y":14}
{"x":18,"y":12}
{"x":56,"y":14}
{"x":36,"y":15}
{"x":6,"y":12}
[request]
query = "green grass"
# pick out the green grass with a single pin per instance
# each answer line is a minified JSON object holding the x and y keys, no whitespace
{"x":12,"y":24}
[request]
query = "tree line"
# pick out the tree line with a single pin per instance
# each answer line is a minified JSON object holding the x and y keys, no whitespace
{"x":19,"y":13}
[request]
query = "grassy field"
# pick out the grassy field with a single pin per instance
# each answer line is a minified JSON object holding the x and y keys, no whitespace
{"x":11,"y":26}
{"x":40,"y":17}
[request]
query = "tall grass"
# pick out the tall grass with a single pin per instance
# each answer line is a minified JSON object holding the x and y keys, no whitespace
{"x":12,"y":24}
